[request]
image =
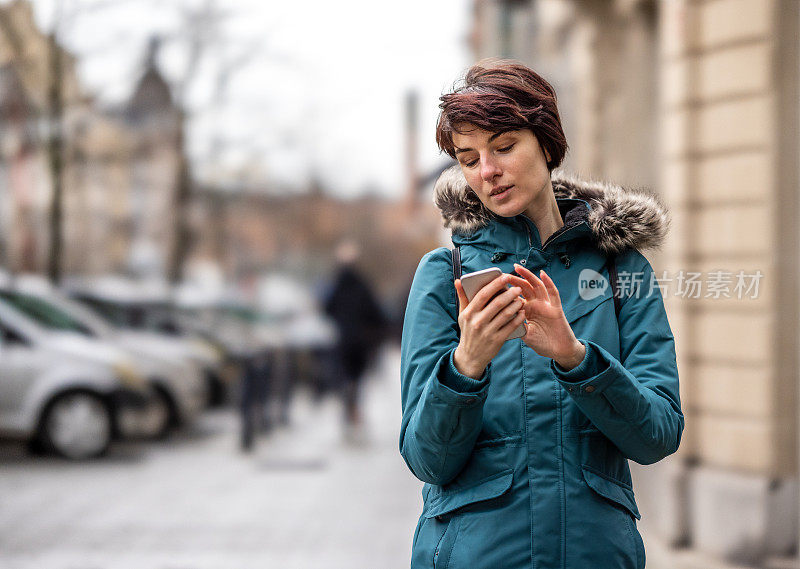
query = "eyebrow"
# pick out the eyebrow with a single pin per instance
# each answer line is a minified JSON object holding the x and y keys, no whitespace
{"x":491,"y":138}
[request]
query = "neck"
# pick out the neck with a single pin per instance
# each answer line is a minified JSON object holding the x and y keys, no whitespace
{"x":544,"y":213}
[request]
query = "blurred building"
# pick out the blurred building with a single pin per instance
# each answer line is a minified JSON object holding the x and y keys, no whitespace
{"x":252,"y":230}
{"x":119,"y":165}
{"x":98,"y":198}
{"x":24,"y":173}
{"x":20,"y":171}
{"x":153,"y":120}
{"x":120,"y":179}
{"x":95,"y":156}
{"x":698,"y":100}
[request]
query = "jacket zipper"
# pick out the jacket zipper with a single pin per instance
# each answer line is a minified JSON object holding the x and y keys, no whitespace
{"x":549,"y":239}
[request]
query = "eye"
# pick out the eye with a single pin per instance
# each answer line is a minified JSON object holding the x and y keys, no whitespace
{"x":506,"y":148}
{"x":469,"y":164}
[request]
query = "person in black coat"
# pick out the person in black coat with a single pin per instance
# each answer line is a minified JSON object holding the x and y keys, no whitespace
{"x":361,"y":323}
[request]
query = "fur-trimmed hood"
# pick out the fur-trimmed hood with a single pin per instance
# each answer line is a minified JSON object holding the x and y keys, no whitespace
{"x":618,"y":218}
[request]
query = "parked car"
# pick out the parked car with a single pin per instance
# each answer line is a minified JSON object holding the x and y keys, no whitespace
{"x":140,"y":315}
{"x":179,"y":387}
{"x":62,"y":398}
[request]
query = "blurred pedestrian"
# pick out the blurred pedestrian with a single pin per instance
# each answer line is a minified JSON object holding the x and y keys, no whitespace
{"x":255,"y":391}
{"x":360,"y":321}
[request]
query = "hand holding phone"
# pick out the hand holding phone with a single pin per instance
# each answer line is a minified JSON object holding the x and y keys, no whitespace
{"x":473,"y":282}
{"x":487,"y":319}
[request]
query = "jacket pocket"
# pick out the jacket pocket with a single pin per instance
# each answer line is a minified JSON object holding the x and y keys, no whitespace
{"x":595,"y":320}
{"x":584,"y":307}
{"x":622,"y":500}
{"x":448,"y":501}
{"x":444,"y":509}
{"x":611,"y":489}
{"x":446,"y":543}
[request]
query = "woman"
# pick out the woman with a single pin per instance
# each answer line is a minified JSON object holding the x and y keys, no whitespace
{"x":523,"y":444}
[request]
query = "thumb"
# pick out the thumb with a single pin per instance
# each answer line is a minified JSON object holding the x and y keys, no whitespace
{"x":462,"y":296}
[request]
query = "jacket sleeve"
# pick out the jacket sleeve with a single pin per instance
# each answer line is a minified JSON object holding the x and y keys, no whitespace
{"x":442,"y":409}
{"x":635,"y":400}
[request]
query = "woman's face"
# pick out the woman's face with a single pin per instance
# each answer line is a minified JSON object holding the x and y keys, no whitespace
{"x":508,"y":170}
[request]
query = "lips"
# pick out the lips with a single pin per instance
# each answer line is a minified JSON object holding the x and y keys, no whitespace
{"x":500,"y":192}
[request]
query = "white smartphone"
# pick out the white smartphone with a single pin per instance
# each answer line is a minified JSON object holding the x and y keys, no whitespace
{"x":473,"y":282}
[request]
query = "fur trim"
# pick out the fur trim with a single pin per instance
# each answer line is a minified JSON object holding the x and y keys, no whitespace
{"x":620,"y":218}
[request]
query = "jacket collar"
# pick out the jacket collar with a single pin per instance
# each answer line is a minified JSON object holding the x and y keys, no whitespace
{"x":615,"y":218}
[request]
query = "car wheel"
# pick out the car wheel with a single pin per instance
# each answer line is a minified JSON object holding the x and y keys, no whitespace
{"x":77,"y":426}
{"x":159,"y":418}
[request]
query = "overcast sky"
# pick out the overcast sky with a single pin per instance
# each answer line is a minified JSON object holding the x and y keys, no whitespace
{"x":320,"y":89}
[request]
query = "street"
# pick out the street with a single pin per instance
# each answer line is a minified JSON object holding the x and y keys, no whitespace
{"x":302,"y":499}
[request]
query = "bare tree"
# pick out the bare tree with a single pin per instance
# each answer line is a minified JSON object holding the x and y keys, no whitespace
{"x":202,"y":33}
{"x":55,"y":147}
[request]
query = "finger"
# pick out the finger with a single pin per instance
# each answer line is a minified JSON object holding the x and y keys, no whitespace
{"x":503,"y":308}
{"x":488,"y":291}
{"x":524,"y":272}
{"x":530,"y":278}
{"x":551,"y":289}
{"x":527,"y":289}
{"x":542,"y":290}
{"x":462,"y":296}
{"x":509,"y":300}
{"x":506,"y":330}
{"x":539,"y":289}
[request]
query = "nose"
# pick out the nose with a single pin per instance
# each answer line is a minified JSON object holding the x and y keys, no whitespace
{"x":489,"y":168}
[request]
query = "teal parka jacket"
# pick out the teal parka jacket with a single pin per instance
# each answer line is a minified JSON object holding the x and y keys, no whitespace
{"x":527,"y":467}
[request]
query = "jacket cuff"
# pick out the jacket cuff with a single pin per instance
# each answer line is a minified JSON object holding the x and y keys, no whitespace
{"x":457,"y":382}
{"x":590,"y":373}
{"x":587,"y":368}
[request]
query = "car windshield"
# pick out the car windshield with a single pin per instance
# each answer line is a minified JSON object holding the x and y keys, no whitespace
{"x":44,"y":313}
{"x":109,"y":312}
{"x":135,"y":315}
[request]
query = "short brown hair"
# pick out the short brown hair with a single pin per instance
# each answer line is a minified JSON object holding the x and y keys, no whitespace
{"x":498,"y":95}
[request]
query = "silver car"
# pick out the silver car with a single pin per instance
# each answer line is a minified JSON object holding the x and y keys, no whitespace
{"x":179,"y":388}
{"x":58,"y":399}
{"x":141,"y":313}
